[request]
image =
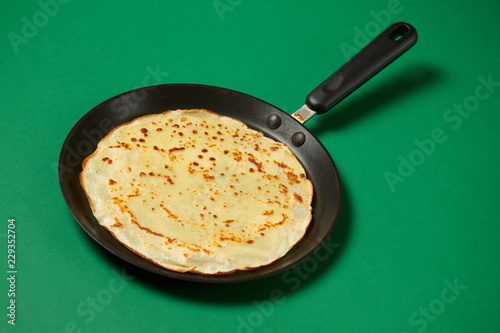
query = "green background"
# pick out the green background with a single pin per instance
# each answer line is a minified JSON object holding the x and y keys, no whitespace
{"x":418,"y":253}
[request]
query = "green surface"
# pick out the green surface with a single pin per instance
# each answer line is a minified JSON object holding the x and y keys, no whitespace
{"x":417,"y":246}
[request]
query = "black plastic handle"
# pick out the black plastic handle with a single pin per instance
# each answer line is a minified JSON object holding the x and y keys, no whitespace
{"x":380,"y":52}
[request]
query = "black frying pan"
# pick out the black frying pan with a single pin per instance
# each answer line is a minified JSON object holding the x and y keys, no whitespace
{"x":90,"y":129}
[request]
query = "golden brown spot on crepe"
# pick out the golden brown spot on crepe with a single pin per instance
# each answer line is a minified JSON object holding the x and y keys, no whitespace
{"x":133,"y":139}
{"x":270,"y":177}
{"x":283,"y":220}
{"x":117,"y":223}
{"x":283,"y":189}
{"x":230,"y":237}
{"x":124,"y":209}
{"x":281,"y":165}
{"x":169,"y":240}
{"x":149,"y":231}
{"x":292,"y":177}
{"x":252,"y":160}
{"x":237,"y":156}
{"x":136,"y":194}
{"x":142,"y":140}
{"x":298,"y":197}
{"x":249,"y":241}
{"x":268,"y":212}
{"x":111,"y":182}
{"x":175,"y":125}
{"x":208,"y":177}
{"x":274,"y":148}
{"x":169,"y":213}
{"x":122,"y":145}
{"x":182,"y":119}
{"x":171,"y":150}
{"x":107,"y":160}
{"x":269,"y":225}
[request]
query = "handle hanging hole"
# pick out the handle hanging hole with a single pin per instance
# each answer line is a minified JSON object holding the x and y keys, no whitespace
{"x":399,"y":32}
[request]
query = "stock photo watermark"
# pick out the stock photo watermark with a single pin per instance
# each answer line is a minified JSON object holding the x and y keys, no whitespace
{"x":11,"y":271}
{"x":293,"y":279}
{"x":427,"y":314}
{"x":89,"y":308}
{"x":223,"y":6}
{"x":453,"y":117}
{"x":363,"y":35}
{"x":30,"y":26}
{"x":122,"y":107}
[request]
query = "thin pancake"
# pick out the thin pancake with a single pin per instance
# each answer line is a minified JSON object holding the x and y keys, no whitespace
{"x":194,"y":191}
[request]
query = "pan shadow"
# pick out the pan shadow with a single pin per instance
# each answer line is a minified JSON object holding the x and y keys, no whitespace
{"x":296,"y":279}
{"x":399,"y":86}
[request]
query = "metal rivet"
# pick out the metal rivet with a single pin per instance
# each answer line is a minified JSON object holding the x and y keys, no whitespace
{"x":273,"y":121}
{"x":298,"y":139}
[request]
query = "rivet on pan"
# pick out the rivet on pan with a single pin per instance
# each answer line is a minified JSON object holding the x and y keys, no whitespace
{"x":298,"y":139}
{"x":273,"y":121}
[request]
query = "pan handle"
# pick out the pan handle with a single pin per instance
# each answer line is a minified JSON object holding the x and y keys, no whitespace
{"x":380,"y":52}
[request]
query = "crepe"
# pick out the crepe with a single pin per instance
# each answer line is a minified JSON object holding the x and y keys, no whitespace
{"x":193,"y":191}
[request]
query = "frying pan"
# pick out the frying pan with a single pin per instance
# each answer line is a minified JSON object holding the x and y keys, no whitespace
{"x":83,"y":138}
